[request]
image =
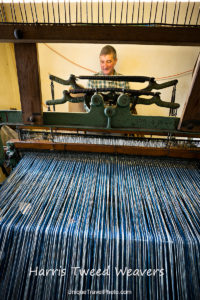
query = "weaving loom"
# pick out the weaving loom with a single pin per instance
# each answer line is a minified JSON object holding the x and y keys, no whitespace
{"x":100,"y":225}
{"x":103,"y":204}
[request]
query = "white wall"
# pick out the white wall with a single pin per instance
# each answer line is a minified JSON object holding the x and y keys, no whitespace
{"x":9,"y":91}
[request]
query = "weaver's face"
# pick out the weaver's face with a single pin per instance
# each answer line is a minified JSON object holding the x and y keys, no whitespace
{"x":107,"y":64}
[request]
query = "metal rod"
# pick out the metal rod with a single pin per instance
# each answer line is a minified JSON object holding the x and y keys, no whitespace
{"x":122,"y":6}
{"x":156,"y":12}
{"x":32,"y":12}
{"x":52,"y":93}
{"x":187,"y":12}
{"x":127,"y":11}
{"x":11,"y":12}
{"x":116,"y":78}
{"x":51,"y":130}
{"x":111,"y":4}
{"x":80,"y":11}
{"x":98,"y":11}
{"x":20,"y":9}
{"x":192,"y":13}
{"x":166,"y":7}
{"x":138,"y":12}
{"x":69,"y":11}
{"x":179,"y":8}
{"x":65,"y":11}
{"x":115,"y":11}
{"x":133,"y":11}
{"x":143,"y":12}
{"x":1,"y":14}
{"x":53,"y":12}
{"x":174,"y":13}
{"x":3,"y":9}
{"x":163,"y":6}
{"x":14,"y":11}
{"x":91,"y":11}
{"x":198,"y":17}
{"x":35,"y":11}
{"x":58,"y":11}
{"x":48,"y":11}
{"x":25,"y":12}
{"x":102,"y":11}
{"x":150,"y":12}
{"x":76,"y":12}
{"x":87,"y":11}
{"x":43,"y":12}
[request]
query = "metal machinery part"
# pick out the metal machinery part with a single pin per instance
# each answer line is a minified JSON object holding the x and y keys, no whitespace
{"x":111,"y":110}
{"x":113,"y":96}
{"x":113,"y":103}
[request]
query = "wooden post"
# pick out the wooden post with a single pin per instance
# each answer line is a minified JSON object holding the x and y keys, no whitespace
{"x":190,"y":119}
{"x":29,"y":83}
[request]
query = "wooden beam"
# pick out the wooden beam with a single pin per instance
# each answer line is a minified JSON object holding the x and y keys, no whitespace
{"x":193,"y":153}
{"x":136,"y":133}
{"x":190,"y":119}
{"x":29,"y":83}
{"x":123,"y":34}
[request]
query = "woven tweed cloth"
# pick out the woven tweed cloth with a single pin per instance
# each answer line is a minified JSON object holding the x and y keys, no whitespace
{"x":93,"y":226}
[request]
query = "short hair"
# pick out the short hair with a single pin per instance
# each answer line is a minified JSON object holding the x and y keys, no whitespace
{"x":108,"y":50}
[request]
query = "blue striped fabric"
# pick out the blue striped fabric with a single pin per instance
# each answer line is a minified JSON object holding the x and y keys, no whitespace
{"x":94,"y":226}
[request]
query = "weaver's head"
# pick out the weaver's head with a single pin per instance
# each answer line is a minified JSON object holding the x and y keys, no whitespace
{"x":108,"y":60}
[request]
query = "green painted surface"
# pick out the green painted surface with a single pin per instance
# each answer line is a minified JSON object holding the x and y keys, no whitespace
{"x":122,"y":119}
{"x":96,"y":119}
{"x":10,"y":117}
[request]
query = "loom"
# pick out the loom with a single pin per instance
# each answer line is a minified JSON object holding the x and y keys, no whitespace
{"x":103,"y":204}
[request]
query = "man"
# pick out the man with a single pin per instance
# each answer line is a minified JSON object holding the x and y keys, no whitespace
{"x":108,"y":60}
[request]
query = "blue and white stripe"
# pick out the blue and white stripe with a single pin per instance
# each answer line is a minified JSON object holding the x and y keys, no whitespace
{"x":63,"y":210}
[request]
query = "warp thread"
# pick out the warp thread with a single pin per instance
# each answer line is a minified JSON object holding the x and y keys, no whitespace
{"x":100,"y":212}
